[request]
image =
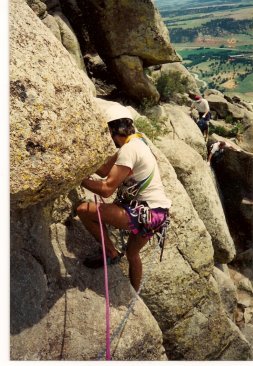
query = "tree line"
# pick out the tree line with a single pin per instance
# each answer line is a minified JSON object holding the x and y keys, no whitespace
{"x":207,"y":9}
{"x":215,"y":28}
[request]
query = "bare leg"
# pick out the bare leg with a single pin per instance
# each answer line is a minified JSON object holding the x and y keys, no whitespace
{"x":110,"y":214}
{"x":206,"y":134}
{"x":134,"y":245}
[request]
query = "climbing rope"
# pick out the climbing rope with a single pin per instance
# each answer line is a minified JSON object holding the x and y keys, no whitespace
{"x":119,"y":329}
{"x":121,"y":325}
{"x":107,"y":306}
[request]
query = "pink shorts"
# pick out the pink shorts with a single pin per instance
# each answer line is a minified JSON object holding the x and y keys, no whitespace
{"x":144,"y":220}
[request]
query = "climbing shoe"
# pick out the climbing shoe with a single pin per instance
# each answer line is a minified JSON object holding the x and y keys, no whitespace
{"x":98,"y":261}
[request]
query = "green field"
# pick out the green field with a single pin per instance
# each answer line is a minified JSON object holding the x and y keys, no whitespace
{"x":246,"y":85}
{"x":208,"y":34}
{"x":190,"y":21}
{"x":220,"y":68}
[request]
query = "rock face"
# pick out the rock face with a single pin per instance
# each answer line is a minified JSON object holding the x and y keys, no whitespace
{"x":227,"y":290}
{"x":57,"y":305}
{"x":55,"y":320}
{"x":235,"y":177}
{"x":144,"y":41}
{"x":67,"y":37}
{"x":47,"y":137}
{"x":129,"y":70}
{"x":244,"y":284}
{"x":59,"y":25}
{"x":196,"y":177}
{"x":224,"y":108}
{"x":196,"y":326}
{"x":182,"y":127}
{"x":144,"y":33}
{"x":236,"y":112}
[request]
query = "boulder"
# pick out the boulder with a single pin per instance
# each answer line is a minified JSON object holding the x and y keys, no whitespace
{"x":226,"y":109}
{"x":129,"y":71}
{"x":238,"y":100}
{"x":205,"y":324}
{"x":181,"y":293}
{"x":247,"y":139}
{"x":68,"y":38}
{"x":39,"y":7}
{"x":51,"y":23}
{"x":182,"y":127}
{"x":244,"y":288}
{"x":234,"y":175}
{"x":59,"y":25}
{"x":47,"y":137}
{"x":145,"y":35}
{"x":223,"y":108}
{"x":227,"y":291}
{"x":58,"y":305}
{"x":248,"y":333}
{"x":208,"y":92}
{"x":243,"y":285}
{"x":144,"y":41}
{"x":198,"y":181}
{"x":222,"y":128}
{"x":236,"y":342}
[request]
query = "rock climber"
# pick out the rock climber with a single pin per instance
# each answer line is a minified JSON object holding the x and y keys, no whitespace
{"x":203,"y":108}
{"x":141,"y":205}
{"x":217,"y":151}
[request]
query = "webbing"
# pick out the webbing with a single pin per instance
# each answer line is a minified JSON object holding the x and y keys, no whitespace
{"x":135,"y":135}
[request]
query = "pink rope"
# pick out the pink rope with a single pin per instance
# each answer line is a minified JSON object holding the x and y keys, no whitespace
{"x":107,"y":307}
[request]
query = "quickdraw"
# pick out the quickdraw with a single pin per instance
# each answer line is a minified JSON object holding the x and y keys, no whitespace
{"x":143,"y":213}
{"x":161,"y":235}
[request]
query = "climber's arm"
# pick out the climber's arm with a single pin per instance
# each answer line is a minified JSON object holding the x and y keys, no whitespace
{"x":107,"y":187}
{"x":209,"y":157}
{"x":104,"y":170}
{"x":230,"y":147}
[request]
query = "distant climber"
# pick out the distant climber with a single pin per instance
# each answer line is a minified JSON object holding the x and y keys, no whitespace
{"x":141,"y":205}
{"x":217,"y":151}
{"x":203,"y":108}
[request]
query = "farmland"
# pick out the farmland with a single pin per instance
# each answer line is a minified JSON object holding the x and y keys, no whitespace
{"x":215,"y":40}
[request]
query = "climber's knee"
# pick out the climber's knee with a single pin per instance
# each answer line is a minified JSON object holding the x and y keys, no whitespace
{"x":86,"y":210}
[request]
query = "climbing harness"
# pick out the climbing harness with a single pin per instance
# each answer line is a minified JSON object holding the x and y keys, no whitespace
{"x":107,"y":311}
{"x":146,"y":222}
{"x":128,"y":191}
{"x":160,"y":235}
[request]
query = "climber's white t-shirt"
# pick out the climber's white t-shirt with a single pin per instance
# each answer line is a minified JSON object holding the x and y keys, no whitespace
{"x":216,"y":146}
{"x":201,"y":105}
{"x":138,"y":157}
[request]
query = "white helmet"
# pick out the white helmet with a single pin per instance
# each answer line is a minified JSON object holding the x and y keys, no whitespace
{"x":112,"y":110}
